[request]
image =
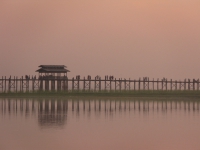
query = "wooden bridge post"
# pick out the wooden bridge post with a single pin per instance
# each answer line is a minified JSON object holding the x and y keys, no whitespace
{"x":22,"y":84}
{"x":176,"y":85}
{"x":95,"y":84}
{"x":78,"y":78}
{"x":84,"y":84}
{"x":5,"y":85}
{"x":158,"y":84}
{"x":16,"y":83}
{"x":32,"y":83}
{"x":73,"y":84}
{"x":180,"y":84}
{"x":193,"y":84}
{"x":144,"y":83}
{"x":184,"y":84}
{"x":139,"y":84}
{"x":153,"y":84}
{"x":9,"y":84}
{"x":125,"y":84}
{"x":99,"y":83}
{"x":115,"y":85}
{"x":188,"y":84}
{"x":59,"y":85}
{"x":2,"y":84}
{"x":171,"y":85}
{"x":27,"y":84}
{"x":105,"y":82}
{"x":46,"y":85}
{"x":66,"y":82}
{"x":120,"y":84}
{"x":89,"y":83}
{"x":198,"y":85}
{"x":41,"y":84}
{"x":148,"y":83}
{"x":166,"y":84}
{"x":134,"y":84}
{"x":162,"y":83}
{"x":53,"y":83}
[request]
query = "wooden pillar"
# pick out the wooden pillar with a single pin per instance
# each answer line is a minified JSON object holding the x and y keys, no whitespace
{"x":73,"y":84}
{"x":22,"y":84}
{"x":158,"y":84}
{"x":84,"y":83}
{"x":9,"y":84}
{"x":100,"y":84}
{"x":59,"y":84}
{"x":188,"y":84}
{"x":153,"y":84}
{"x":134,"y":85}
{"x":32,"y":83}
{"x":143,"y":83}
{"x":2,"y":84}
{"x":89,"y":84}
{"x":120,"y":85}
{"x":125,"y":84}
{"x":198,"y":85}
{"x":53,"y":87}
{"x":115,"y":85}
{"x":41,"y":84}
{"x":5,"y":85}
{"x":16,"y":83}
{"x":148,"y":83}
{"x":193,"y":84}
{"x":105,"y":82}
{"x":171,"y":85}
{"x":27,"y":84}
{"x":185,"y":84}
{"x":66,"y":84}
{"x":176,"y":84}
{"x":78,"y":82}
{"x":46,"y":85}
{"x":139,"y":84}
{"x":110,"y":85}
{"x":166,"y":84}
{"x":95,"y":84}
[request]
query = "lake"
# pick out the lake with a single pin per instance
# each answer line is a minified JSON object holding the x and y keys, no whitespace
{"x":99,"y":124}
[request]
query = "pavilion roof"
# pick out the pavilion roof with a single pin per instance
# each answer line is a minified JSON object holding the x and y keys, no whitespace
{"x":52,"y":69}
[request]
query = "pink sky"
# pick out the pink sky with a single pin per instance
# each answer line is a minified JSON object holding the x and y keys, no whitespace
{"x":124,"y":38}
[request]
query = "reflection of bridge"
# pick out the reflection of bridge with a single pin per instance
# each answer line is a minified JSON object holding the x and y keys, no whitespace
{"x":54,"y":112}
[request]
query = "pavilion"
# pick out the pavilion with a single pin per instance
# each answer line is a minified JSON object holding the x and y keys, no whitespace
{"x":52,"y":71}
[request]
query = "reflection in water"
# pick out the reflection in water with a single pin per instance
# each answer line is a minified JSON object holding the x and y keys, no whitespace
{"x":54,"y":112}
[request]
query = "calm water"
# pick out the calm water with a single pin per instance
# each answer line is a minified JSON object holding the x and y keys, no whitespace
{"x":99,"y":124}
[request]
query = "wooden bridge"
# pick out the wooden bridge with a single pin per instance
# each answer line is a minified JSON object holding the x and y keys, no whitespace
{"x":109,"y":83}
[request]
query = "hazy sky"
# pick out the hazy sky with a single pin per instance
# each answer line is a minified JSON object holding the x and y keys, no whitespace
{"x":124,"y":38}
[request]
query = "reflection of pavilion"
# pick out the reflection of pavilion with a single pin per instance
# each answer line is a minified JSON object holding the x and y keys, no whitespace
{"x":52,"y":113}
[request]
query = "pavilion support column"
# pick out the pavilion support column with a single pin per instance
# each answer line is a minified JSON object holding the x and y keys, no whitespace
{"x":58,"y":84}
{"x":52,"y":85}
{"x":46,"y":85}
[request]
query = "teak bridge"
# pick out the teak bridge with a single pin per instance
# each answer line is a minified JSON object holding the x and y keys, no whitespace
{"x":109,"y":83}
{"x":54,"y":78}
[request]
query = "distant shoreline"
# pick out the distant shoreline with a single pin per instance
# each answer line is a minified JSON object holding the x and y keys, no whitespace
{"x":112,"y":94}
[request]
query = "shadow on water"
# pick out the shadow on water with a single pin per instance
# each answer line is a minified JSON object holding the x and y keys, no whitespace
{"x":55,"y":112}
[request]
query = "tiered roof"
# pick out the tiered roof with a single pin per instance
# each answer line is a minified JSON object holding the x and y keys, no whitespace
{"x":52,"y":69}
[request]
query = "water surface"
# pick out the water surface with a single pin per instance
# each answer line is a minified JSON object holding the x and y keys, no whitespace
{"x":99,"y":124}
